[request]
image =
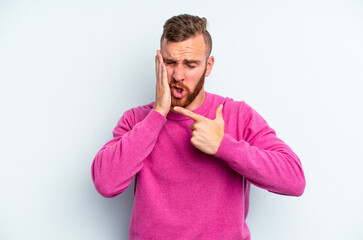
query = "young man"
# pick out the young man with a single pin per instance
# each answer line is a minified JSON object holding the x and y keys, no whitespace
{"x":193,"y":154}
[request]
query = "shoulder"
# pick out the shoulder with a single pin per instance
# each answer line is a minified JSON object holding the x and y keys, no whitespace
{"x":242,"y":121}
{"x":238,"y":111}
{"x":130,"y":118}
{"x":136,"y":114}
{"x":230,"y":105}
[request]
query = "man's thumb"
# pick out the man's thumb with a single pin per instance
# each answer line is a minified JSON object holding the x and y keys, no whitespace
{"x":219,"y":115}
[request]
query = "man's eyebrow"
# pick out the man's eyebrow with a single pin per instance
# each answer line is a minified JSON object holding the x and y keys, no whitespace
{"x":191,"y":61}
{"x":166,"y":59}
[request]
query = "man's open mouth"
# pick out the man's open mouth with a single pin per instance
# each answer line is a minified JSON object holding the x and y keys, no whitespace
{"x":178,"y":92}
{"x":179,"y":89}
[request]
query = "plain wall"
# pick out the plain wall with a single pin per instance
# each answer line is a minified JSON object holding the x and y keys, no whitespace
{"x":69,"y":69}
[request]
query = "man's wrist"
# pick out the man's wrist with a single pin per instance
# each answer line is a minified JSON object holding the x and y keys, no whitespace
{"x":160,"y":111}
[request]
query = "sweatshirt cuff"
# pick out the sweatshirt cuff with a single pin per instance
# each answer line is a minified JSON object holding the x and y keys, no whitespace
{"x":155,"y":120}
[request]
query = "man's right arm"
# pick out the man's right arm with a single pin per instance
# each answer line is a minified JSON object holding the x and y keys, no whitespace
{"x":120,"y":159}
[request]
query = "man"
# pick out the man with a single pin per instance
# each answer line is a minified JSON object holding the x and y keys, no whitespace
{"x":193,"y":154}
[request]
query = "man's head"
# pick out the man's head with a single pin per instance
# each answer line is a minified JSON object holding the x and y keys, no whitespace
{"x":184,"y":26}
{"x":186,"y":46}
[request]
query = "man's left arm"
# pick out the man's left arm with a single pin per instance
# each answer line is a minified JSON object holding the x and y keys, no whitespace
{"x":264,"y":159}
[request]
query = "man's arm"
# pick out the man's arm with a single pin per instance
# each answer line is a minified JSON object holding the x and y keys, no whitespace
{"x":120,"y":159}
{"x":264,"y":159}
{"x":261,"y":157}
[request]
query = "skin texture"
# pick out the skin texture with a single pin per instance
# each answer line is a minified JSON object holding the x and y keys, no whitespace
{"x":185,"y":64}
{"x":190,"y":95}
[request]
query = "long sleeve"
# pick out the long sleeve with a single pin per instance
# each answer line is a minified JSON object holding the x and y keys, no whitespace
{"x":265,"y":160}
{"x":120,"y":159}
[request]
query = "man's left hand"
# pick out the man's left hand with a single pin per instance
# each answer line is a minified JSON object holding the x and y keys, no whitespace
{"x":207,"y":134}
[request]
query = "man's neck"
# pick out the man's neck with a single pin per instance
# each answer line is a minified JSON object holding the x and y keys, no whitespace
{"x":198,"y":101}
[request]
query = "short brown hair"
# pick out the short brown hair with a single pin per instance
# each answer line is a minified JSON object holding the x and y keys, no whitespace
{"x":184,"y":26}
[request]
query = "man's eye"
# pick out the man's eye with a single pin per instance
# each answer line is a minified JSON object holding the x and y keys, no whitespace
{"x":191,"y":66}
{"x":169,"y":63}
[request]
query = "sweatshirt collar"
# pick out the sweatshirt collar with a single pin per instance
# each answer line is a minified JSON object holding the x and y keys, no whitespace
{"x":201,"y":110}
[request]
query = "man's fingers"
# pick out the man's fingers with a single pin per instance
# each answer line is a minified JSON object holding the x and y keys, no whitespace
{"x":157,"y":64}
{"x":160,"y":68}
{"x":196,"y":117}
{"x":165,"y":75}
{"x":189,"y":114}
{"x":219,"y":115}
{"x":161,"y":61}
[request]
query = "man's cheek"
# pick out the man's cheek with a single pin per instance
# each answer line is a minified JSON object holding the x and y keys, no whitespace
{"x":169,"y":78}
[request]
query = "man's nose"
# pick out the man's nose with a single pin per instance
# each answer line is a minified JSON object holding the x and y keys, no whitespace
{"x":178,"y":73}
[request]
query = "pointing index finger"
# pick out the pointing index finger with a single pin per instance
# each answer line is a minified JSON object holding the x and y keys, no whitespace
{"x":188,"y":113}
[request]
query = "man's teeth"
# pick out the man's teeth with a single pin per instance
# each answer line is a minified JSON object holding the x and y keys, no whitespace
{"x":179,"y":89}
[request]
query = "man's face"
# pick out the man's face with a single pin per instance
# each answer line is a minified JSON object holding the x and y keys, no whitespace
{"x":187,"y":66}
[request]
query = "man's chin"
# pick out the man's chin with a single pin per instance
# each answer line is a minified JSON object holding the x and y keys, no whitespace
{"x":179,"y":102}
{"x":178,"y":105}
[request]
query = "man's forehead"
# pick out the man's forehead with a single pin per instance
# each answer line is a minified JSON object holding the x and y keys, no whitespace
{"x":191,"y":49}
{"x":181,"y":57}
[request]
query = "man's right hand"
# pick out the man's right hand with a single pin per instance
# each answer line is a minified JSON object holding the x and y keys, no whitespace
{"x":163,"y":95}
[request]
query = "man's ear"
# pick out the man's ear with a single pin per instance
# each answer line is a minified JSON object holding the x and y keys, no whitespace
{"x":210,"y":64}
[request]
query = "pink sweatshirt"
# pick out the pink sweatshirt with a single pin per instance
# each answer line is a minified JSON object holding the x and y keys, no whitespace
{"x":183,"y":193}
